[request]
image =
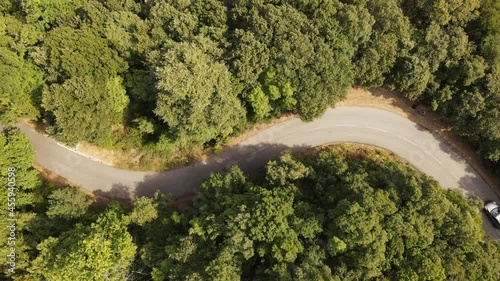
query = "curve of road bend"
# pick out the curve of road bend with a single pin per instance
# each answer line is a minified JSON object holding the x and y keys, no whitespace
{"x":342,"y":124}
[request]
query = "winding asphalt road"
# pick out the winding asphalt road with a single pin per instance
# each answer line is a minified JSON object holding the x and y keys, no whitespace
{"x":343,"y":124}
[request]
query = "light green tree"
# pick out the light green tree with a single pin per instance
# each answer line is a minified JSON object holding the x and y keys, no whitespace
{"x":102,"y":251}
{"x":196,"y":98}
{"x":74,"y":106}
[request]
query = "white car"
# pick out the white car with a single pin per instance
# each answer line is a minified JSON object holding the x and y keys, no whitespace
{"x":491,"y":208}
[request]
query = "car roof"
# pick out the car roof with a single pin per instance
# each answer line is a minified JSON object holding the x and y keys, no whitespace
{"x":490,"y":206}
{"x":493,"y":209}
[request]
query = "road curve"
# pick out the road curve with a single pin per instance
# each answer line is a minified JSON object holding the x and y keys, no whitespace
{"x":365,"y":125}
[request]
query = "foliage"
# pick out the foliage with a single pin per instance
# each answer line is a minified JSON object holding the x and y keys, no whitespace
{"x":451,"y":64}
{"x":46,"y":14}
{"x":194,"y":73}
{"x":168,"y":77}
{"x":102,"y":251}
{"x":195,"y":96}
{"x":22,"y":80}
{"x":17,"y":153}
{"x":69,"y":53}
{"x":144,"y":210}
{"x":19,"y":90}
{"x":67,"y":203}
{"x":75,"y":106}
{"x":336,"y":214}
{"x":20,"y":195}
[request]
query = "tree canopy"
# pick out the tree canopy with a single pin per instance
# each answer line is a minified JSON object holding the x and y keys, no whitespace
{"x":20,"y":196}
{"x":102,"y":251}
{"x":166,"y":79}
{"x":338,"y":213}
{"x":171,"y":77}
{"x":196,"y":98}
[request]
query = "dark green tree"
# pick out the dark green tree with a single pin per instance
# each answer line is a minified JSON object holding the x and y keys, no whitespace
{"x":69,"y":53}
{"x":67,"y":203}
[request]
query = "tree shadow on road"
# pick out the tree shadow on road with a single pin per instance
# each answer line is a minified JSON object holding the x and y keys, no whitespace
{"x":119,"y":192}
{"x":472,"y":182}
{"x":185,"y":181}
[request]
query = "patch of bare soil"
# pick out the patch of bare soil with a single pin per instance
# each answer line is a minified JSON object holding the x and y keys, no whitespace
{"x":394,"y":102}
{"x":49,"y":176}
{"x":106,"y":156}
{"x":61,"y":182}
{"x":110,"y":157}
{"x":37,"y":126}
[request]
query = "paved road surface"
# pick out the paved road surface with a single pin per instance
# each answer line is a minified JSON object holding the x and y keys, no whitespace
{"x":342,"y":124}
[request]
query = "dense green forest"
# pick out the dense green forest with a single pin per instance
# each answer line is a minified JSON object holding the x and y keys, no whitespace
{"x":169,"y":77}
{"x":334,"y":213}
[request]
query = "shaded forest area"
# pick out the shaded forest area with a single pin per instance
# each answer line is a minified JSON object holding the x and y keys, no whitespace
{"x":170,"y":77}
{"x":335,"y":213}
